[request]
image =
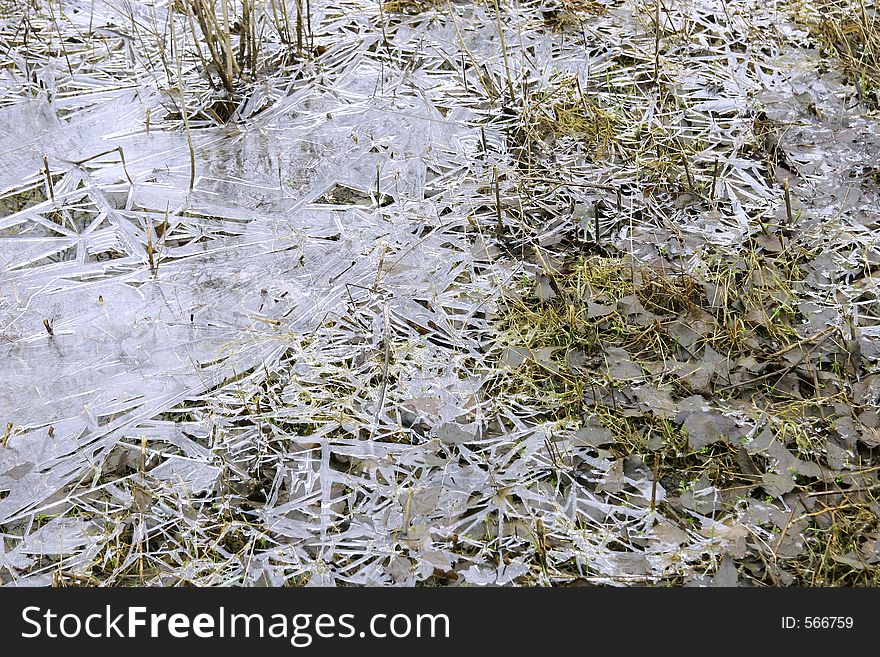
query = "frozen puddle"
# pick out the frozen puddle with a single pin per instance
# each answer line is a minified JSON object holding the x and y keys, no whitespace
{"x":105,"y":343}
{"x":276,"y":371}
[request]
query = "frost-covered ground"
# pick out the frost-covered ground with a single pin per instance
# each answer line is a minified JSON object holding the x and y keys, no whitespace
{"x":277,"y":348}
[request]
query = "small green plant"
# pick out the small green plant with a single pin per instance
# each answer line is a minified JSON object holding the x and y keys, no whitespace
{"x":563,"y":110}
{"x":850,"y":33}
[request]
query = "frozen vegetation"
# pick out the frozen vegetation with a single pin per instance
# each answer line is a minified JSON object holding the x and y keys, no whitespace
{"x":441,"y":293}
